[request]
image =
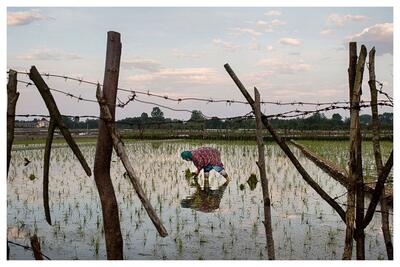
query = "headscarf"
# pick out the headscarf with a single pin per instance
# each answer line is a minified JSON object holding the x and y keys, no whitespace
{"x":186,"y":155}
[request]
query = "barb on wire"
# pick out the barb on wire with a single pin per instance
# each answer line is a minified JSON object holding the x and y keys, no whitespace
{"x":380,"y":90}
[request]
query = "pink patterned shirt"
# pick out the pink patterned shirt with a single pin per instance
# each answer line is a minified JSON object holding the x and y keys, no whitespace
{"x":204,"y":156}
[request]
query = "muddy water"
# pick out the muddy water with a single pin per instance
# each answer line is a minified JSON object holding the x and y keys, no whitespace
{"x":219,"y":221}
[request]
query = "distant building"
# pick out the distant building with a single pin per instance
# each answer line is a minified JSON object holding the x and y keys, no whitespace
{"x":43,"y":123}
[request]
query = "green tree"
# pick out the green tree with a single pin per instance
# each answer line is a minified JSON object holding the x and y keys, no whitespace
{"x":156,"y":113}
{"x":197,"y":116}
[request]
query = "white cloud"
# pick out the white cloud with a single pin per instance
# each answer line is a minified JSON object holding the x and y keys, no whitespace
{"x":240,"y":31}
{"x":270,"y":26}
{"x":25,"y":17}
{"x":143,"y":64}
{"x":340,"y":20}
{"x":273,"y":13}
{"x":290,"y":41}
{"x":378,"y":35}
{"x":226,"y":45}
{"x":277,"y":66}
{"x":327,"y":32}
{"x":270,"y":48}
{"x":48,"y":54}
{"x":254,"y":45}
{"x":201,"y":75}
{"x":180,"y":54}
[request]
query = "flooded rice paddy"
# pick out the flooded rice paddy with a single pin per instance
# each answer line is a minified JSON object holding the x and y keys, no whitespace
{"x":222,"y":221}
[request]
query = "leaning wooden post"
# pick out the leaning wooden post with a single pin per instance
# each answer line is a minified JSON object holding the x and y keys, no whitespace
{"x":56,"y":120}
{"x":112,"y":229}
{"x":282,"y":144}
{"x":263,"y":177}
{"x":121,"y":153}
{"x":12,"y":97}
{"x":356,"y":183}
{"x":377,"y":152}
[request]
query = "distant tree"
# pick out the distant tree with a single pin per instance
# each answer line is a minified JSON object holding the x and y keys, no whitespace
{"x":365,"y":119}
{"x":337,"y":118}
{"x":156,"y":113}
{"x":197,"y":116}
{"x":144,"y":116}
{"x":214,"y":123}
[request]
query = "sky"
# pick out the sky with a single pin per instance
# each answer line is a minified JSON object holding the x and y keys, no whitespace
{"x":288,"y":53}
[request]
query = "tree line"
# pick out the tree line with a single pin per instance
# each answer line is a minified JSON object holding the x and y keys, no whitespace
{"x":156,"y":120}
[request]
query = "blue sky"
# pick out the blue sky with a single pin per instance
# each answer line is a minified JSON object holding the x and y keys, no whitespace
{"x":288,"y":53}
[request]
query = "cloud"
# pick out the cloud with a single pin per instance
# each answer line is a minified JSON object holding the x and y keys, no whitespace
{"x":327,"y":32}
{"x":180,"y":54}
{"x":49,"y":55}
{"x":378,"y":35}
{"x":273,"y":13}
{"x":270,"y":26}
{"x":25,"y":17}
{"x":226,"y":45}
{"x":143,"y":64}
{"x":276,"y":66}
{"x":240,"y":31}
{"x":290,"y":41}
{"x":254,"y":45}
{"x":340,"y":20}
{"x":201,"y":75}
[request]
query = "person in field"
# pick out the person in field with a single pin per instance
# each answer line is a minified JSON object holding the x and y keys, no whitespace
{"x":207,"y":159}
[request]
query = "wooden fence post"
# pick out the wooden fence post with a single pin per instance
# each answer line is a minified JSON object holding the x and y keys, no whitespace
{"x":37,"y":253}
{"x":120,"y":150}
{"x":356,"y":183}
{"x":55,"y":120}
{"x":377,"y":152}
{"x":263,"y":177}
{"x":12,"y":97}
{"x":286,"y":149}
{"x":111,"y":223}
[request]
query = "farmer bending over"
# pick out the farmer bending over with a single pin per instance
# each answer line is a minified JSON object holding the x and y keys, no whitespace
{"x":206,"y":158}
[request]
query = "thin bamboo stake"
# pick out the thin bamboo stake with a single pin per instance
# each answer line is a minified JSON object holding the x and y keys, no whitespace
{"x":263,"y":177}
{"x":46,"y":166}
{"x":121,"y":153}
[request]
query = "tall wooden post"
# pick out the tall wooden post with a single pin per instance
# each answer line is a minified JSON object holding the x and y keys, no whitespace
{"x":263,"y":177}
{"x":377,"y":152}
{"x":12,"y":97}
{"x":112,"y":229}
{"x":356,"y":183}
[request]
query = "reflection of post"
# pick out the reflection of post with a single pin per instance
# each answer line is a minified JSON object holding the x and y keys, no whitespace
{"x":263,"y":177}
{"x":377,"y":152}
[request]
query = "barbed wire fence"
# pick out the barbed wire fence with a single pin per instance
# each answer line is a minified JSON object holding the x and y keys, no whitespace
{"x":136,"y":96}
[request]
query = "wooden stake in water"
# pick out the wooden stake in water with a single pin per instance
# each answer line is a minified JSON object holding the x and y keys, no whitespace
{"x":120,"y":150}
{"x":263,"y":178}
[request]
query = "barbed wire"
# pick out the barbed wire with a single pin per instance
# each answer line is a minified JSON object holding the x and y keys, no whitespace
{"x":287,"y":114}
{"x":207,"y":100}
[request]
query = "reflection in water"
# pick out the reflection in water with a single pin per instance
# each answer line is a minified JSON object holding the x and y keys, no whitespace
{"x":205,"y":200}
